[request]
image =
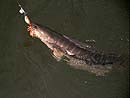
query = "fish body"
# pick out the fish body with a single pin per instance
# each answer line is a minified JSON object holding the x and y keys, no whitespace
{"x":61,"y":44}
{"x":79,"y":55}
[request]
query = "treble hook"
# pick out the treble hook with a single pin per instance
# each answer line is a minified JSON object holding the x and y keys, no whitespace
{"x":22,"y":11}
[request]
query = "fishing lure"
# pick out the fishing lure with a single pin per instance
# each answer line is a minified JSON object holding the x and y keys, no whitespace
{"x":79,"y":55}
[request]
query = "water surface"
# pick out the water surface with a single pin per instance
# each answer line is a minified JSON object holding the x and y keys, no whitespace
{"x":27,"y":69}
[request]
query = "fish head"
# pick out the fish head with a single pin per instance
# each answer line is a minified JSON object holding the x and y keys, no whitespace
{"x":36,"y":30}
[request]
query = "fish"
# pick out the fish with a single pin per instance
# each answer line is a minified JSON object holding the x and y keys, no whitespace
{"x":79,"y":53}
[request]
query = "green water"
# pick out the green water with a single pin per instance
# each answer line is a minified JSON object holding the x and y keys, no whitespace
{"x":27,"y":69}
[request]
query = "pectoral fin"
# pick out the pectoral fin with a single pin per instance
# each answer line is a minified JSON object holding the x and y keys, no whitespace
{"x":57,"y":54}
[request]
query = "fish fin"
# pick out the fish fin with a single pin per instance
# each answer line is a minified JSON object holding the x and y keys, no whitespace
{"x":57,"y":54}
{"x":84,"y":45}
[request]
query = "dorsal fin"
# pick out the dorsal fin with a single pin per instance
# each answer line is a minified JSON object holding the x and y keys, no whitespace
{"x":78,"y":43}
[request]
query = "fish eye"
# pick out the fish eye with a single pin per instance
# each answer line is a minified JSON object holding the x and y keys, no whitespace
{"x":35,"y":26}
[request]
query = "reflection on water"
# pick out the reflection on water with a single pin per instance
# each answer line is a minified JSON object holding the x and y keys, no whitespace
{"x":27,"y":69}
